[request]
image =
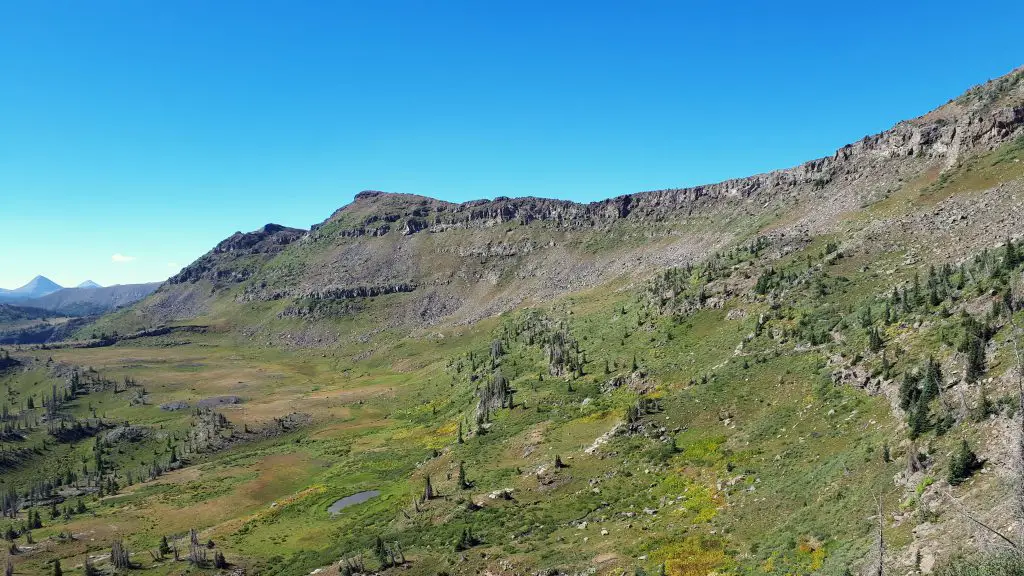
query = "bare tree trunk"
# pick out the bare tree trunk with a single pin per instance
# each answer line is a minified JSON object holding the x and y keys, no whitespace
{"x":881,"y":541}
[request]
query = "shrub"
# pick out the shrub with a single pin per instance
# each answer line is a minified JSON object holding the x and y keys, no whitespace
{"x":1004,"y":564}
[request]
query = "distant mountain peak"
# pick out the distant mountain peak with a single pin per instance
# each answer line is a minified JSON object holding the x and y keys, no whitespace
{"x":89,"y":284}
{"x":36,"y":287}
{"x":39,"y":284}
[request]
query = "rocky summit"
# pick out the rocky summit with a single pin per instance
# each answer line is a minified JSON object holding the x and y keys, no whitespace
{"x":810,"y":371}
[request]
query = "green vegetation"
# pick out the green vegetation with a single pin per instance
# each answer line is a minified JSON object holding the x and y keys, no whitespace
{"x":745,"y":411}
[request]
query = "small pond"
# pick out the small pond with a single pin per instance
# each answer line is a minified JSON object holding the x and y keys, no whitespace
{"x":352,"y":500}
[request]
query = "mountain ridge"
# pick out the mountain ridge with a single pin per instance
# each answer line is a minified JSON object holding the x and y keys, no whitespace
{"x":977,"y":120}
{"x":461,"y":262}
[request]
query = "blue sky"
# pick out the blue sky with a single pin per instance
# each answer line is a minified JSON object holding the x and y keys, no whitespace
{"x":151,"y":130}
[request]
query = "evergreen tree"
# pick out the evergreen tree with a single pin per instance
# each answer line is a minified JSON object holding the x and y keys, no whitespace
{"x":57,"y":571}
{"x":463,"y":482}
{"x":917,"y":419}
{"x":909,"y":391}
{"x":165,"y":548}
{"x":874,"y":340}
{"x":962,"y":465}
{"x":381,"y":552}
{"x":466,"y":540}
{"x":932,"y":380}
{"x":1010,"y":257}
{"x":984,"y":407}
{"x":865,"y":318}
{"x":975,"y":367}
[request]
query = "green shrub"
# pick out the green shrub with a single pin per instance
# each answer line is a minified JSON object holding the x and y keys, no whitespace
{"x":1004,"y":564}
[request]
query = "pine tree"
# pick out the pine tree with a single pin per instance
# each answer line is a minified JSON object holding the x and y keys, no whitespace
{"x":984,"y":407}
{"x":975,"y":359}
{"x":866,"y":320}
{"x":1010,"y":257}
{"x":932,"y":380}
{"x":909,"y":391}
{"x":460,"y":440}
{"x":962,"y":465}
{"x":463,"y":483}
{"x":874,"y":340}
{"x":57,"y":571}
{"x":381,"y":552}
{"x":165,"y":548}
{"x":917,"y":419}
{"x":428,"y":489}
{"x":466,"y":540}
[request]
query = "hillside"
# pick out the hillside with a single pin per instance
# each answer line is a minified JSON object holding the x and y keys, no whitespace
{"x":87,"y":301}
{"x":463,"y":262}
{"x":729,"y":379}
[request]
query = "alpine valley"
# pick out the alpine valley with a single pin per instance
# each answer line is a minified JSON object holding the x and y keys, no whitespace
{"x":800,"y":372}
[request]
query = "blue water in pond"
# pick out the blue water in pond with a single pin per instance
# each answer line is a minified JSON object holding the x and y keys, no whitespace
{"x":352,"y":500}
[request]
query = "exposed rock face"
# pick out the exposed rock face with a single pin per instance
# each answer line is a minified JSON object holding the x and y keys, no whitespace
{"x":458,"y":262}
{"x":269,"y":238}
{"x":337,"y":293}
{"x":222,"y":263}
{"x":127,"y":434}
{"x":979,"y":120}
{"x":218,"y":401}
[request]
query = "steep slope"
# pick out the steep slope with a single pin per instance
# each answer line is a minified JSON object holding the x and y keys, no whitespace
{"x":456,"y":263}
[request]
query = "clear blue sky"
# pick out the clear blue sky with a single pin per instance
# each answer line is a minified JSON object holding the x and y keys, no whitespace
{"x":154,"y":129}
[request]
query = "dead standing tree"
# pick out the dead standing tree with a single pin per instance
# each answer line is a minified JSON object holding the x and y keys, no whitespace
{"x":120,"y":559}
{"x":196,"y":551}
{"x":880,"y":571}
